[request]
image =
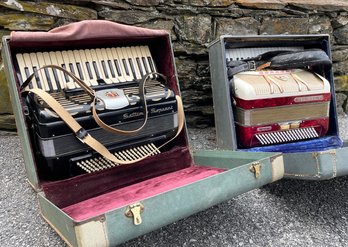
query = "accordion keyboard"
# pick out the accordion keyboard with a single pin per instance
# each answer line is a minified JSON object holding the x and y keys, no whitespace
{"x":93,"y":66}
{"x":247,"y":53}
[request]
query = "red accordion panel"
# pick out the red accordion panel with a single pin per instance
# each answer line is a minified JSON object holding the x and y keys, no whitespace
{"x":252,"y":136}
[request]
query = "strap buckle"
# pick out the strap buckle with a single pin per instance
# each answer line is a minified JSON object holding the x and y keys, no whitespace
{"x":251,"y":65}
{"x":81,"y":134}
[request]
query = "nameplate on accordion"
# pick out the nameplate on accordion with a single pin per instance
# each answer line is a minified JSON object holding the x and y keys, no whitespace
{"x":280,"y":106}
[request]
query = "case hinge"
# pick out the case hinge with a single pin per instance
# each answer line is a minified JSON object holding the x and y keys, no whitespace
{"x":256,"y":168}
{"x":134,"y":211}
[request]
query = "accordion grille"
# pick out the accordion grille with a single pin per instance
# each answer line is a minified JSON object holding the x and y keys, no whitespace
{"x":100,"y":163}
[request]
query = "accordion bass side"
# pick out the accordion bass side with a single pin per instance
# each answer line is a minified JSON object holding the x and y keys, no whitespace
{"x":114,"y":74}
{"x":276,"y":106}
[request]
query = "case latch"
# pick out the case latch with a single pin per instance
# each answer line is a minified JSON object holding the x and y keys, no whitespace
{"x":256,"y":168}
{"x":134,"y":211}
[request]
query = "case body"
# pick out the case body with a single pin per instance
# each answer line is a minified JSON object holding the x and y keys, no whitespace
{"x":315,"y":163}
{"x":235,"y":173}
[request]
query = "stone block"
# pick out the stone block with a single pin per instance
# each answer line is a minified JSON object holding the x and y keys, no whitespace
{"x":26,"y":21}
{"x":319,"y":5}
{"x":319,"y":25}
{"x":341,"y":83}
{"x":129,"y":17}
{"x":340,"y":53}
{"x":241,"y":26}
{"x":340,"y":68}
{"x":284,"y":26}
{"x":195,"y":29}
{"x":53,"y":9}
{"x":341,"y":35}
{"x":262,"y":4}
{"x":340,"y":101}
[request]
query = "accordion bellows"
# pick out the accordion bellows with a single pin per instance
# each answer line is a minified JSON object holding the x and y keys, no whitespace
{"x":277,"y":106}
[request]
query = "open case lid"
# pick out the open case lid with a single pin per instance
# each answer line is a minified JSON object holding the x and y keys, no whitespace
{"x":84,"y":34}
{"x":225,"y":127}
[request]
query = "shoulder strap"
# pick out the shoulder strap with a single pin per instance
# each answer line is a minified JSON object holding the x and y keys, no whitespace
{"x":79,"y":131}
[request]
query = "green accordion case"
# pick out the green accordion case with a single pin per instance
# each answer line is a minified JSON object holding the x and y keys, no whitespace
{"x":308,"y":158}
{"x":110,"y":206}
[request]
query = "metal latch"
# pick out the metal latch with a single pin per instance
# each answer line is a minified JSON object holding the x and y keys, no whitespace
{"x":134,"y":211}
{"x":256,"y":168}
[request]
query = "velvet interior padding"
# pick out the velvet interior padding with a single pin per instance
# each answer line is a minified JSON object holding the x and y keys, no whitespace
{"x":137,"y":192}
{"x":315,"y":145}
{"x":73,"y":190}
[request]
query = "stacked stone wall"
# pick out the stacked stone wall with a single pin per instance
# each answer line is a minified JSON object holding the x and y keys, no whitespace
{"x":193,"y":24}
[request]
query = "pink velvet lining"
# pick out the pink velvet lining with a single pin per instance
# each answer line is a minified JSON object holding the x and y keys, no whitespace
{"x":89,"y":29}
{"x":70,"y":191}
{"x":136,"y":192}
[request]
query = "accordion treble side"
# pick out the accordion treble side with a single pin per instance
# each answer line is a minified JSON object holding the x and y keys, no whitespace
{"x":279,"y":106}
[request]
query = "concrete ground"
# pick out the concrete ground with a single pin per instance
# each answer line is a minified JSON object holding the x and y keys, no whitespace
{"x":285,"y":213}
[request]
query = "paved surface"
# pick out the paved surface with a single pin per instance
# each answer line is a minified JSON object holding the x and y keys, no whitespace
{"x":285,"y":213}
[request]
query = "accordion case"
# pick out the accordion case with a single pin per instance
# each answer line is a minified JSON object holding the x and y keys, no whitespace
{"x":86,"y":199}
{"x":292,"y":110}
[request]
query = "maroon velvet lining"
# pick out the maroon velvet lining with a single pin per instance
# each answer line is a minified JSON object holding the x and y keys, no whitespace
{"x":70,"y":191}
{"x":136,"y":192}
{"x":88,"y":29}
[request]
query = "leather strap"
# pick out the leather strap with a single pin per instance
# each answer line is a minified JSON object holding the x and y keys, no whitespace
{"x":143,"y":103}
{"x":79,"y":131}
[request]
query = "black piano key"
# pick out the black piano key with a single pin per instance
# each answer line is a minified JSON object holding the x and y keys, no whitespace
{"x":140,"y":67}
{"x":104,"y":69}
{"x":151,"y":64}
{"x":89,"y":70}
{"x":96,"y":70}
{"x":111,"y":69}
{"x":57,"y":79}
{"x":132,"y":68}
{"x":37,"y":78}
{"x":125,"y":66}
{"x":27,"y":73}
{"x":145,"y":65}
{"x":66,"y":77}
{"x":48,"y":78}
{"x":71,"y":68}
{"x":79,"y":70}
{"x":118,"y":67}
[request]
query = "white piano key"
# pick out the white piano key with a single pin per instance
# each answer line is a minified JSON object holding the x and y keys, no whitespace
{"x":68,"y":82}
{"x":110,"y":63}
{"x":125,"y":64}
{"x":96,"y":66}
{"x":81,"y":68}
{"x":89,"y":67}
{"x":71,"y":65}
{"x":39,"y":75}
{"x":57,"y":74}
{"x":45,"y":76}
{"x":116,"y":59}
{"x":23,"y":69}
{"x":149,"y":58}
{"x":142,"y":50}
{"x":128,"y":51}
{"x":49,"y":72}
{"x":105,"y":71}
{"x":139,"y":60}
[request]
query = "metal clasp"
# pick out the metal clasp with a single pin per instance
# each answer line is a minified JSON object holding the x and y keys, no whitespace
{"x":134,"y":211}
{"x":251,"y":65}
{"x":81,"y":134}
{"x":256,"y":169}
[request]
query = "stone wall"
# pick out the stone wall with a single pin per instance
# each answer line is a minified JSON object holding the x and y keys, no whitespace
{"x":193,"y":24}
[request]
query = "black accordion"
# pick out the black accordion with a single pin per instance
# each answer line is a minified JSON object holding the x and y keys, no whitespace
{"x":111,"y":72}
